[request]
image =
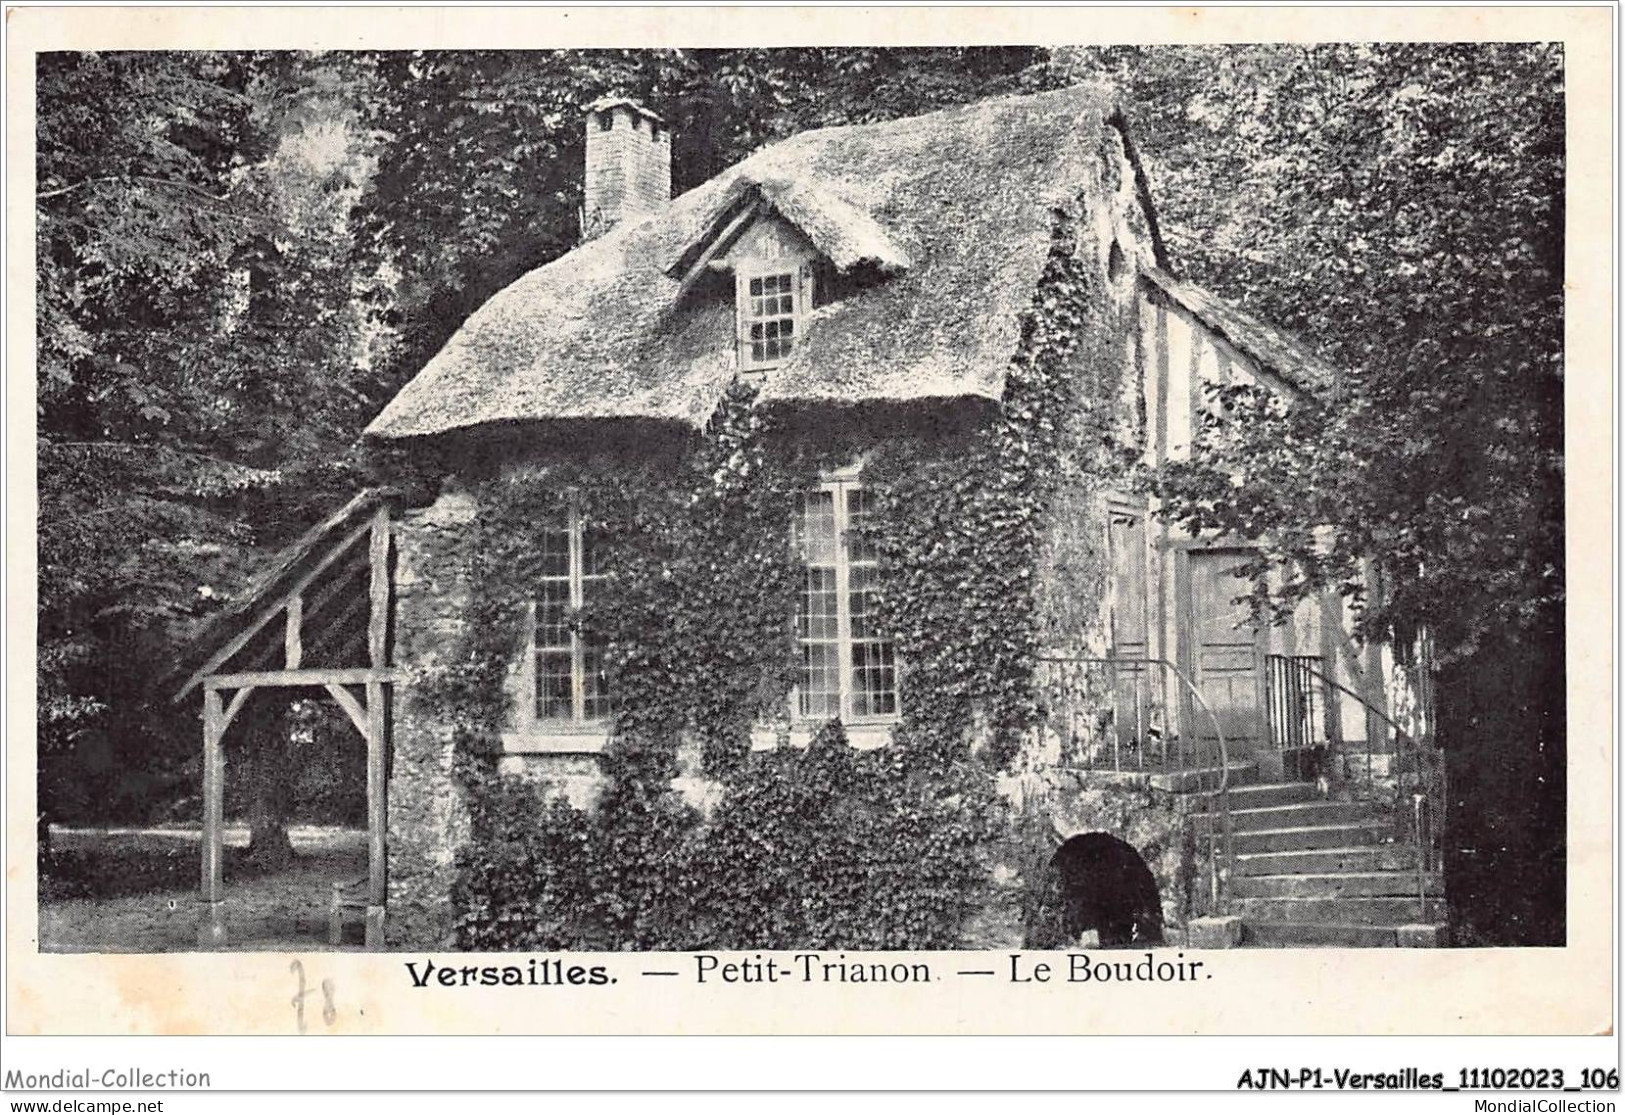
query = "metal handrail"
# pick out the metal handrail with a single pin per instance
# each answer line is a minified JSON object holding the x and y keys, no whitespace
{"x":1419,"y":797}
{"x":1371,"y":708}
{"x":1219,"y":883}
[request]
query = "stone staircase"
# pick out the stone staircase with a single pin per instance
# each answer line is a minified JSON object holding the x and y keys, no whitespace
{"x":1315,"y":872}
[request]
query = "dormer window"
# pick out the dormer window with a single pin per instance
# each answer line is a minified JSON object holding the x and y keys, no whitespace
{"x":790,"y":248}
{"x":770,"y":303}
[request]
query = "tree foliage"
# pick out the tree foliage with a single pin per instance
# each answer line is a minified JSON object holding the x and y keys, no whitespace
{"x":195,"y":336}
{"x":1386,"y":203}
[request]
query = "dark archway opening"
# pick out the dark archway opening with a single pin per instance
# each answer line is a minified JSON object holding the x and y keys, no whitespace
{"x":1106,"y":886}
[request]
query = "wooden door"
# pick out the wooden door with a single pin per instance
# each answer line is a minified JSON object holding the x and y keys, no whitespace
{"x":1223,"y":648}
{"x":1128,"y":584}
{"x":1136,"y":685}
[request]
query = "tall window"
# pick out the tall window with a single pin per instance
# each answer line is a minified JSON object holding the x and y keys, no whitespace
{"x":769,"y":305}
{"x":847,"y":668}
{"x":567,"y":667}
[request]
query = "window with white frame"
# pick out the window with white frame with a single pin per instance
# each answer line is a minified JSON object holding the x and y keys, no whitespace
{"x":848,"y":669}
{"x":564,"y":668}
{"x":769,"y":308}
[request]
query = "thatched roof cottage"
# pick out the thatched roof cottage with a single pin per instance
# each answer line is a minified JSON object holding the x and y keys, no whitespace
{"x":851,"y":432}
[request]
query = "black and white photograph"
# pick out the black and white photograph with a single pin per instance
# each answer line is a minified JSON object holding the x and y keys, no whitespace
{"x":842,"y":505}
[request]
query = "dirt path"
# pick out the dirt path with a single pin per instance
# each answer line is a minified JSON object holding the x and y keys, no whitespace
{"x":279,"y":912}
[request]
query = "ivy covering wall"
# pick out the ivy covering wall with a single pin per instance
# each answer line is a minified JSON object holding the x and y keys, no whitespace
{"x":981,"y":523}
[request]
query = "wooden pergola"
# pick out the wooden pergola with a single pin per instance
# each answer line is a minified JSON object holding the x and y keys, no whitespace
{"x":320,"y":618}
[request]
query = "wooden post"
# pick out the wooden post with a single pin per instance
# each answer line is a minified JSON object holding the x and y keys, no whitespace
{"x":1271,"y":763}
{"x":378,"y":617}
{"x":291,"y":637}
{"x":211,"y":932}
{"x":1159,"y":344}
{"x":377,"y":816}
{"x":241,"y":639}
{"x":377,"y":733}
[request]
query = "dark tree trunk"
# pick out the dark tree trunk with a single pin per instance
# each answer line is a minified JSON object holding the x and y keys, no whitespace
{"x":1503,"y":724}
{"x":269,"y":775}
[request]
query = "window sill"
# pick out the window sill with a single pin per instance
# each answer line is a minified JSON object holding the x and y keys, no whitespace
{"x":591,"y":739}
{"x":556,"y":739}
{"x":863,"y":736}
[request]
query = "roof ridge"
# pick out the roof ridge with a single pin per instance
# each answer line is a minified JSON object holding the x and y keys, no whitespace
{"x":1105,"y":89}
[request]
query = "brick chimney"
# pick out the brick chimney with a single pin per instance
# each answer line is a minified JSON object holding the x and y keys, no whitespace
{"x":628,"y":165}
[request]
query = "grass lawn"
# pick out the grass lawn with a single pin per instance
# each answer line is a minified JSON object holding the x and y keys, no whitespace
{"x":137,"y":890}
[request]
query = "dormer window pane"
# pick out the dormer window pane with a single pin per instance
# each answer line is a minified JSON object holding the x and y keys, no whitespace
{"x":767,"y":307}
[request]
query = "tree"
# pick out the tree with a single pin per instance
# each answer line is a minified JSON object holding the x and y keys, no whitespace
{"x":195,"y":368}
{"x":241,"y":257}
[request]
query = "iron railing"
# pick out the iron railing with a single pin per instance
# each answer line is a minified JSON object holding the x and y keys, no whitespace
{"x":1390,"y":765}
{"x":1297,"y":711}
{"x":1143,"y":716}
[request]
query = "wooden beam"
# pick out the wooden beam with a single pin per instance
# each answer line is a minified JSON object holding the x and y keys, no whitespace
{"x":1195,"y":396}
{"x":352,"y":708}
{"x":236,"y":705}
{"x":1159,"y":341}
{"x":716,"y":246}
{"x":311,"y":610}
{"x":349,"y":675}
{"x":340,"y":581}
{"x":1255,"y":364}
{"x":292,"y":652}
{"x":378,"y":617}
{"x":266,"y":614}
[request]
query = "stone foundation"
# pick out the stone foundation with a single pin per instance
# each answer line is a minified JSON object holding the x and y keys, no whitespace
{"x":1214,"y":933}
{"x":579,"y":779}
{"x":1422,"y":936}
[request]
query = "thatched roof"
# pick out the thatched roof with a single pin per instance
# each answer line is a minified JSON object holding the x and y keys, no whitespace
{"x":1285,"y":356}
{"x":847,"y":236}
{"x":956,"y":206}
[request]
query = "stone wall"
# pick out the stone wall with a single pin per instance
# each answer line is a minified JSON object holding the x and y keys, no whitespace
{"x":428,"y":813}
{"x":579,"y":777}
{"x":1021,"y":905}
{"x":1150,"y":820}
{"x":429,"y":820}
